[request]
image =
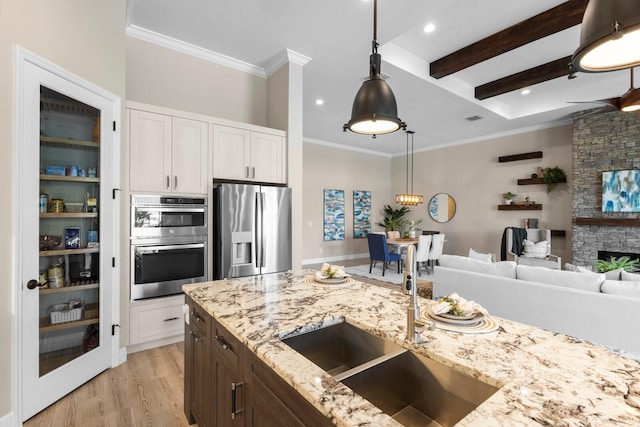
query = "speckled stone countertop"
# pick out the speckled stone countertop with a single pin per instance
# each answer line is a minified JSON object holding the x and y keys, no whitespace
{"x":544,"y":378}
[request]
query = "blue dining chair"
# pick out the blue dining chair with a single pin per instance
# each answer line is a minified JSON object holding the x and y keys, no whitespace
{"x":379,"y":251}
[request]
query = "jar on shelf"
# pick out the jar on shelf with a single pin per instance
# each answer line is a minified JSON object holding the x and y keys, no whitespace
{"x":56,"y":206}
{"x":44,"y":202}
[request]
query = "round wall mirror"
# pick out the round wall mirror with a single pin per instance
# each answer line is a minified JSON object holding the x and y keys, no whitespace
{"x":442,"y":207}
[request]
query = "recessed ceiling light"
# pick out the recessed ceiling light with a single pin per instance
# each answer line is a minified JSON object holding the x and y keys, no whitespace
{"x":319,"y":102}
{"x":525,"y":92}
{"x":429,"y":28}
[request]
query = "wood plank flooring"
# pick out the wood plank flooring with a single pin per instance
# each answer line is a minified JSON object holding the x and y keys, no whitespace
{"x":146,"y":390}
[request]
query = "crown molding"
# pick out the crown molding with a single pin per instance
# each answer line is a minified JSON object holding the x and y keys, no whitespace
{"x":283,"y":58}
{"x":193,"y":50}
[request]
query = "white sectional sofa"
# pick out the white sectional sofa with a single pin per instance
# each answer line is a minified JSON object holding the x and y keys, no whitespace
{"x":578,"y":304}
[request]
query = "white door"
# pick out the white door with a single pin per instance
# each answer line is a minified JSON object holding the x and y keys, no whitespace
{"x":149,"y":151}
{"x":65,"y":326}
{"x":189,"y":155}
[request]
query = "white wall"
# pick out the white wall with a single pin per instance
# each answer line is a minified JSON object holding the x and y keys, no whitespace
{"x":86,"y":38}
{"x":331,"y":167}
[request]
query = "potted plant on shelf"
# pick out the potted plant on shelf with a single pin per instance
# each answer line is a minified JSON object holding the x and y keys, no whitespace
{"x":394,"y":219}
{"x":508,"y":197}
{"x":553,"y":176}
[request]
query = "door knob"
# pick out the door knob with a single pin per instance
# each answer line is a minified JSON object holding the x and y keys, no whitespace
{"x":32,"y":284}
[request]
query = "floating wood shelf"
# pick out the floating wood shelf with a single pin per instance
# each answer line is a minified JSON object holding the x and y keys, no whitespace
{"x":524,"y":156}
{"x":516,"y":207}
{"x":533,"y":181}
{"x":558,"y":233}
{"x":612,"y":222}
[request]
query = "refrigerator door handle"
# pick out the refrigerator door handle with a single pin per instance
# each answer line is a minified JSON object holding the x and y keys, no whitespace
{"x":259,"y":239}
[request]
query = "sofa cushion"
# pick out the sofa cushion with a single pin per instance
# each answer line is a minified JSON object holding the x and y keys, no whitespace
{"x":614,"y":274}
{"x":535,"y":250}
{"x":625,"y":275}
{"x":479,"y":256}
{"x":584,"y":281}
{"x":628,"y":288}
{"x":502,"y":268}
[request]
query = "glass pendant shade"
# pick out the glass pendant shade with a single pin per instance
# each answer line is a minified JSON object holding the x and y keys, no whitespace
{"x":409,"y":199}
{"x":610,"y":36}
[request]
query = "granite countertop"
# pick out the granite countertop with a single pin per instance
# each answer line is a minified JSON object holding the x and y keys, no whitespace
{"x":544,"y":378}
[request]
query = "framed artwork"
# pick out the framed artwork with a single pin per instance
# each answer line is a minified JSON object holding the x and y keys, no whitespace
{"x":621,"y":191}
{"x":333,"y":214}
{"x":361,"y":213}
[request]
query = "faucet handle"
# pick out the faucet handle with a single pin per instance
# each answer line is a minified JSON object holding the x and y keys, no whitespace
{"x":408,"y":283}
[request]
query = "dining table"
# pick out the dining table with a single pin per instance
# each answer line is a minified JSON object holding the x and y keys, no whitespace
{"x":402,"y":242}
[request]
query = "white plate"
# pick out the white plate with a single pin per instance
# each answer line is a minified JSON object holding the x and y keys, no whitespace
{"x":332,"y":281}
{"x":468,"y":322}
{"x":454,"y":317}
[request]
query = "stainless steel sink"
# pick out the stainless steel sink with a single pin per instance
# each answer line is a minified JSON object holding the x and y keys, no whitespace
{"x":417,"y":391}
{"x":339,"y":348}
{"x":412,"y":389}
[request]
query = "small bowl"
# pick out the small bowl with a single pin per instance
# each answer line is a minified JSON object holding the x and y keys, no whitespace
{"x":48,"y":242}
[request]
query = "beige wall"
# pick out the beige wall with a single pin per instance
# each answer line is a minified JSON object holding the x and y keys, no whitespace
{"x":472,"y":175}
{"x":84,"y":37}
{"x":160,"y":76}
{"x":330,"y":167}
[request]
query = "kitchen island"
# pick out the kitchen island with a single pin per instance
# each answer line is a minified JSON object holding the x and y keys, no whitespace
{"x":542,"y":378}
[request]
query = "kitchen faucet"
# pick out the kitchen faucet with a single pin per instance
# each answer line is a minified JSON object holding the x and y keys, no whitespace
{"x":414,"y":324}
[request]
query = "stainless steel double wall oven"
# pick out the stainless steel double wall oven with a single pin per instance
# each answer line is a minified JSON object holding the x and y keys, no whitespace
{"x":168,"y":244}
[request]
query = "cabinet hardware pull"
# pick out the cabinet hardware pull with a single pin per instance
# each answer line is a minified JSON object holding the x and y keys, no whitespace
{"x":168,"y":182}
{"x":246,"y":172}
{"x":175,"y":182}
{"x":224,"y":344}
{"x":196,"y":316}
{"x":32,"y":284}
{"x":170,"y":319}
{"x":195,"y":336}
{"x":253,"y":172}
{"x":234,"y":402}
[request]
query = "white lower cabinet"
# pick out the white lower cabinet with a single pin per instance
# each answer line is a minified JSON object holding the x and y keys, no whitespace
{"x":156,"y":320}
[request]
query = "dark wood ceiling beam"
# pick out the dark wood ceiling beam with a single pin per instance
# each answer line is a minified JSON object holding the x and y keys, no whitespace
{"x":530,"y":77}
{"x":551,"y":21}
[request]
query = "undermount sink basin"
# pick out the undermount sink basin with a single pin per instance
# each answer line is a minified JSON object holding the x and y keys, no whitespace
{"x":417,"y":391}
{"x":341,"y":347}
{"x":412,"y":389}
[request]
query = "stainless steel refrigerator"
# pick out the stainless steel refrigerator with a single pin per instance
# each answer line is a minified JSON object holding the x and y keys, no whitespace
{"x":251,"y":230}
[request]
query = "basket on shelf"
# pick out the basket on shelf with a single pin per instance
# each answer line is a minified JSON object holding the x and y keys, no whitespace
{"x":62,"y":313}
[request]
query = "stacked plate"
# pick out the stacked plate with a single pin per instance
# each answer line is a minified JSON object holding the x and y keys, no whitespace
{"x":476,"y":323}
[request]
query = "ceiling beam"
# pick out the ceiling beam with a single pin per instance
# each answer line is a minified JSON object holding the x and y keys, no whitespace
{"x":551,"y":21}
{"x":541,"y":73}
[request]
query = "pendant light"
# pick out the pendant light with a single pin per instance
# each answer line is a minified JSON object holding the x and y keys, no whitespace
{"x":610,"y":36}
{"x":374,"y":110}
{"x":409,"y":198}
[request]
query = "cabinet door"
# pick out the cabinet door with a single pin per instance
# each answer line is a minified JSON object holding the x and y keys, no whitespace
{"x":231,"y":158}
{"x":155,"y":319}
{"x":149,"y":151}
{"x":267,"y":158}
{"x":203,"y":399}
{"x":230,"y":394}
{"x":189,"y":144}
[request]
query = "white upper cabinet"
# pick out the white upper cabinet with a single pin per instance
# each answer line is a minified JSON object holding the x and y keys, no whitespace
{"x":167,"y":154}
{"x":248,"y":155}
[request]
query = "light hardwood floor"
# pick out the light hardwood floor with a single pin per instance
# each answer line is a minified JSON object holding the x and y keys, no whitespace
{"x":146,"y":390}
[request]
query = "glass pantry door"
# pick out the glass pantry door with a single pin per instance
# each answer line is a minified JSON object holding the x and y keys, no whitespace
{"x":67,"y":237}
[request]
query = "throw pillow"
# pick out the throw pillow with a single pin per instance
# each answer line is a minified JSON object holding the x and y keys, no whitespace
{"x":569,"y":279}
{"x":535,"y":250}
{"x":625,"y":275}
{"x":480,"y":257}
{"x":620,"y":287}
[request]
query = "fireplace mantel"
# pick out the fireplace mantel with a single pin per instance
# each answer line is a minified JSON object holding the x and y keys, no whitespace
{"x":610,"y":222}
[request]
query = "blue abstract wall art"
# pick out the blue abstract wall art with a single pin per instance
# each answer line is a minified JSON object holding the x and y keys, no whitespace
{"x":334,"y":215}
{"x":361,"y":213}
{"x":621,"y":191}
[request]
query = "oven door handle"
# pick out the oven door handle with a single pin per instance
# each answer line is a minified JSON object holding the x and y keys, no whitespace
{"x":157,"y":248}
{"x":167,"y":209}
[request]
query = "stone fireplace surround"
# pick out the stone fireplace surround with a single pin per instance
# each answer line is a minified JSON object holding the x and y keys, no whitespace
{"x":602,"y":142}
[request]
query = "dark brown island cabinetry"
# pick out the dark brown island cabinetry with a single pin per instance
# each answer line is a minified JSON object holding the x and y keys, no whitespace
{"x":226,"y":385}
